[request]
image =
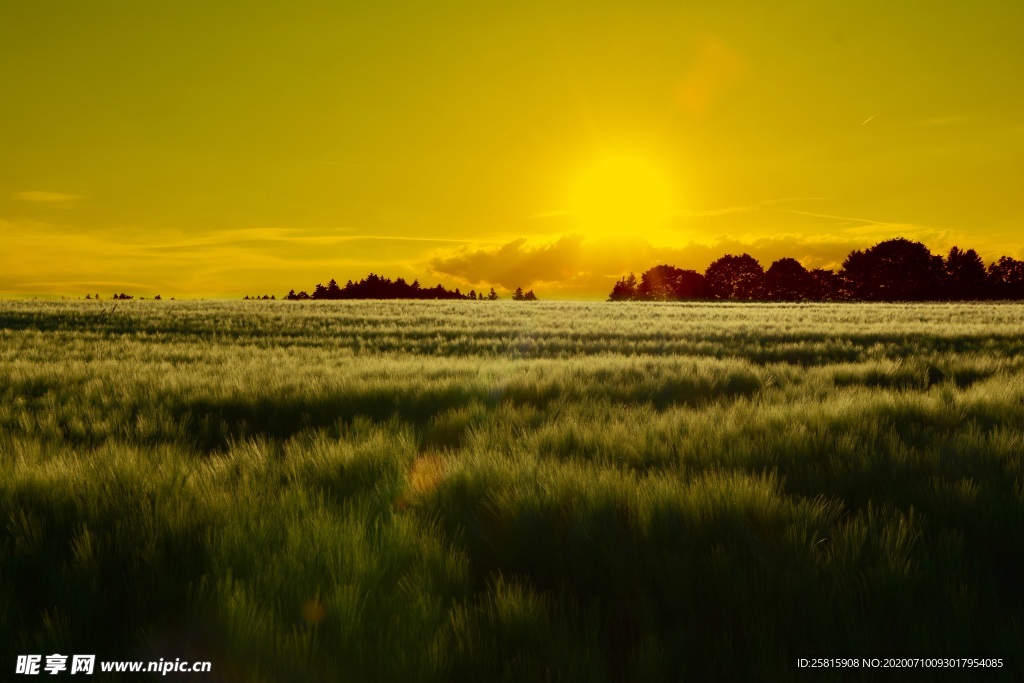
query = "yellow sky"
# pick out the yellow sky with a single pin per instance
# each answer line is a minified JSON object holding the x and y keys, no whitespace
{"x":227,"y":148}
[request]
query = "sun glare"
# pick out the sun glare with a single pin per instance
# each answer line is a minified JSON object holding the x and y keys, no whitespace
{"x":620,"y":195}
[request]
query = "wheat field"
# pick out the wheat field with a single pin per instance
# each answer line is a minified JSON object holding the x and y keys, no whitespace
{"x":434,"y":491}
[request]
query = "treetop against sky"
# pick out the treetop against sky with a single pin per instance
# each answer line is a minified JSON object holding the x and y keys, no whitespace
{"x":208,"y":149}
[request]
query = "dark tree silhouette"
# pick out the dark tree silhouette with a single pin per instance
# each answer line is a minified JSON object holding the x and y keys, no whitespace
{"x":668,"y":283}
{"x":854,"y":275}
{"x":1006,"y":278}
{"x":827,"y":285}
{"x":530,"y":296}
{"x":624,"y":289}
{"x":788,"y":280}
{"x":965,"y":275}
{"x":894,"y":270}
{"x":374,"y":286}
{"x":735,"y":277}
{"x":518,"y":294}
{"x":492,"y":295}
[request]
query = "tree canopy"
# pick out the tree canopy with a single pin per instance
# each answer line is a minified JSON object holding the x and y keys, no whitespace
{"x":374,"y":286}
{"x":735,"y":277}
{"x":893,"y":270}
{"x":788,"y":280}
{"x":665,"y":283}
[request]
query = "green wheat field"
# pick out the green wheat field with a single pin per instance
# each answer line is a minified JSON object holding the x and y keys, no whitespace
{"x":437,"y":491}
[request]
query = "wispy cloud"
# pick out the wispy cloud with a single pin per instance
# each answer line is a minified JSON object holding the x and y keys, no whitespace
{"x":847,"y":219}
{"x":748,"y":208}
{"x":47,"y":258}
{"x":941,"y":121}
{"x":68,"y":286}
{"x":47,"y":197}
{"x":724,"y":211}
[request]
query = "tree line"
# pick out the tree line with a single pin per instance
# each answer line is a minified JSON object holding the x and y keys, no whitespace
{"x":375,"y":286}
{"x":894,"y":270}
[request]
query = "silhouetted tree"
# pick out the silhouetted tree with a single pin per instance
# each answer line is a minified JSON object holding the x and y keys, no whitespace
{"x":965,"y":275}
{"x":854,"y":274}
{"x":518,"y":294}
{"x":788,"y":280}
{"x":1006,"y":278}
{"x":530,"y":296}
{"x":826,"y":285}
{"x":624,"y":289}
{"x":894,"y":270}
{"x":472,"y":294}
{"x":735,"y":277}
{"x":668,"y":283}
{"x":374,"y":286}
{"x":492,"y":295}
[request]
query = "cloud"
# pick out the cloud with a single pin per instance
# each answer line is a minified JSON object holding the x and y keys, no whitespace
{"x":47,"y":197}
{"x":942,"y":121}
{"x":747,"y":208}
{"x":516,"y":263}
{"x":574,"y":266}
{"x":59,"y":259}
{"x":49,"y":258}
{"x":824,"y":222}
{"x":844,"y":219}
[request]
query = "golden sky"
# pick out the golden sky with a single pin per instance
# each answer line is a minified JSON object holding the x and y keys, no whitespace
{"x":205,"y":148}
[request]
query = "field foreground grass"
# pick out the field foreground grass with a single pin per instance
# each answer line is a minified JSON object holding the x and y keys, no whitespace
{"x":428,"y":491}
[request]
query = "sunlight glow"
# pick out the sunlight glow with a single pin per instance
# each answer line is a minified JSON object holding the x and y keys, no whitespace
{"x":621,"y":195}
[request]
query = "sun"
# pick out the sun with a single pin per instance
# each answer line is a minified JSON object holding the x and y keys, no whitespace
{"x":618,"y":196}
